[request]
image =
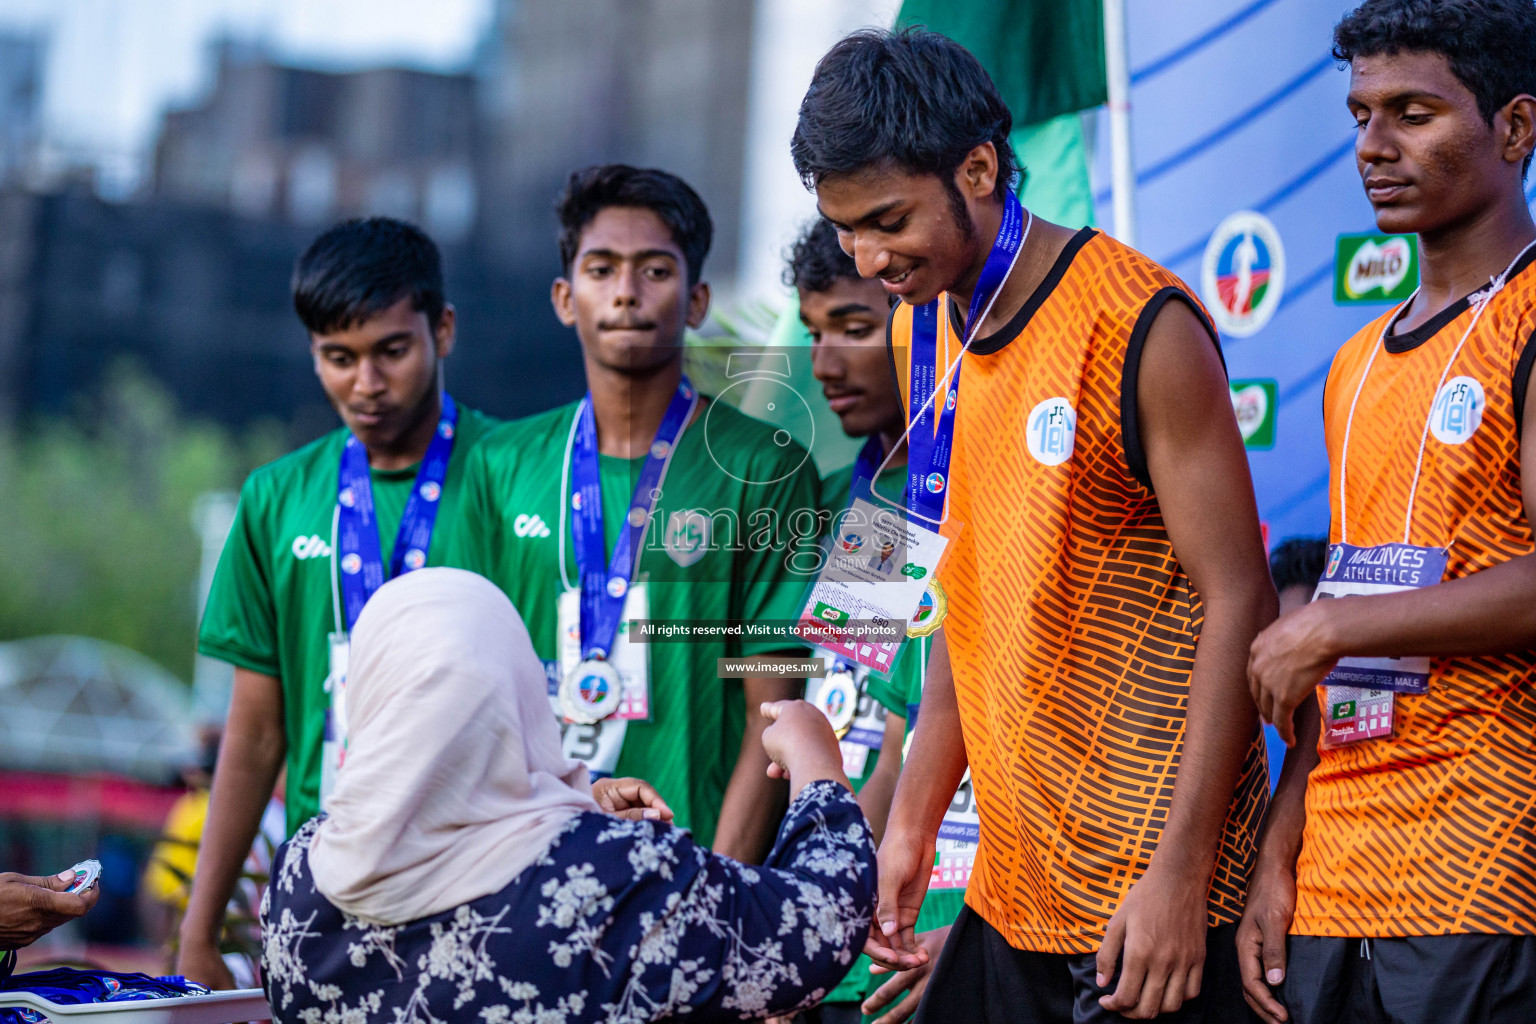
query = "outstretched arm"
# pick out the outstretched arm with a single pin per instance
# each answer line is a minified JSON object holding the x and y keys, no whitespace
{"x":749,"y":814}
{"x":810,"y":903}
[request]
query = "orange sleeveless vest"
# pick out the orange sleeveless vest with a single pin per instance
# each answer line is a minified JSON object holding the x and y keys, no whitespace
{"x":1433,"y":830}
{"x":1071,"y":626}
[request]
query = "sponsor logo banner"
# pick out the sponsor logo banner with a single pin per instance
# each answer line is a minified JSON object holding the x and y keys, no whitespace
{"x":1255,"y":403}
{"x":1242,"y":276}
{"x":1374,"y":268}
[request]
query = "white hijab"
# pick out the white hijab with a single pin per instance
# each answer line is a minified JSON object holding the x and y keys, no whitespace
{"x":453,"y":781}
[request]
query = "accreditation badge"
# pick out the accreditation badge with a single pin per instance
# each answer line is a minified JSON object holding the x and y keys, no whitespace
{"x":876,"y":573}
{"x":333,"y":748}
{"x":954,"y":853}
{"x":1358,"y":695}
{"x":599,"y":741}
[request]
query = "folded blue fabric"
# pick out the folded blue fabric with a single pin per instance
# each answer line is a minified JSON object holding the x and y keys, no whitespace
{"x":68,"y":986}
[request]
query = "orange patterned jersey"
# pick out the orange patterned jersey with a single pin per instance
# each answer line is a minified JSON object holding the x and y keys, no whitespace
{"x":1071,"y":626}
{"x":1432,"y":831}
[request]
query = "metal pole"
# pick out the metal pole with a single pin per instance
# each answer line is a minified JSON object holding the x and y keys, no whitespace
{"x":1118,"y":75}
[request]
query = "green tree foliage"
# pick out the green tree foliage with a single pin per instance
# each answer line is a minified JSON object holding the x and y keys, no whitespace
{"x":97,"y":521}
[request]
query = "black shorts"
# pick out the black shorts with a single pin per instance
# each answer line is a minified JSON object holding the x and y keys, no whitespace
{"x":980,"y":978}
{"x":831,"y":1013}
{"x":1436,"y":979}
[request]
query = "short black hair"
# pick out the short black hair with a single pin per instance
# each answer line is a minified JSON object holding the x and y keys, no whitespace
{"x":594,"y":189}
{"x":817,"y":260}
{"x":1490,"y":44}
{"x":359,"y":268}
{"x":1298,"y":562}
{"x":910,"y":98}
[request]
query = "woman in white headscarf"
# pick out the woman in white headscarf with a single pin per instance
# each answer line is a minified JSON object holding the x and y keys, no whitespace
{"x":463,"y":870}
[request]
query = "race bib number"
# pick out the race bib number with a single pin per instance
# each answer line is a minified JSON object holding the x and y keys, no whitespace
{"x":631,"y":661}
{"x":954,"y":854}
{"x":1358,"y":701}
{"x":600,"y":743}
{"x":1352,"y":714}
{"x":877,"y":571}
{"x":333,"y":747}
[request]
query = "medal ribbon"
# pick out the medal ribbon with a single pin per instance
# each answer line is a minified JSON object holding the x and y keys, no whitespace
{"x":357,"y":528}
{"x":931,"y":444}
{"x":867,"y":465}
{"x":603,"y":587}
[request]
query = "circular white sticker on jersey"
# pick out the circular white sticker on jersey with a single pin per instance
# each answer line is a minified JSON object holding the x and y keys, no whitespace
{"x":1458,"y":410}
{"x":1052,"y":431}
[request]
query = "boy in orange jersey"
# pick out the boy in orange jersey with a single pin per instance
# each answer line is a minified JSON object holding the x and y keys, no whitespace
{"x":1105,"y":572}
{"x":1396,"y":878}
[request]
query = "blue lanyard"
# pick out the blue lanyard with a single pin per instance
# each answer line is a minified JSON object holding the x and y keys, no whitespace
{"x":603,"y":587}
{"x":357,"y":526}
{"x":868,"y":463}
{"x":929,"y":448}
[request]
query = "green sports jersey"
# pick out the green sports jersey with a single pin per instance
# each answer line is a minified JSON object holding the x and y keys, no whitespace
{"x":270,"y":606}
{"x":723,"y":567}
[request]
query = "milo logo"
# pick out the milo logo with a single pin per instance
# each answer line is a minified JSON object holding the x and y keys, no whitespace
{"x":1375,"y":268}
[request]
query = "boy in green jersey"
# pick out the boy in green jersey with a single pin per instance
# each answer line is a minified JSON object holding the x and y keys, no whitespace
{"x":846,"y":316}
{"x":713,"y":537}
{"x":370,"y":294}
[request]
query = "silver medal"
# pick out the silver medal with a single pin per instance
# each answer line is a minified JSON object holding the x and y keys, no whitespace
{"x":590,"y":692}
{"x":838,"y":699}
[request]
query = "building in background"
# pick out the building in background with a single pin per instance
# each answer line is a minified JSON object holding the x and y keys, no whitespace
{"x":311,"y":147}
{"x":656,"y":83}
{"x":21,"y":104}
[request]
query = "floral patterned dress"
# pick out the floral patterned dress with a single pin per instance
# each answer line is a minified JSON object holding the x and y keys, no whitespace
{"x":617,"y":921}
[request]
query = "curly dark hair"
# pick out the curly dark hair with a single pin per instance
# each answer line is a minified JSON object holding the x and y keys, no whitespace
{"x":912,"y":98}
{"x":817,"y":259}
{"x":1490,"y":44}
{"x":594,"y":189}
{"x":1298,"y":562}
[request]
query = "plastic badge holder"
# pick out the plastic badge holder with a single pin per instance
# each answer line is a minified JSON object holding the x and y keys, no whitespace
{"x":245,"y":1004}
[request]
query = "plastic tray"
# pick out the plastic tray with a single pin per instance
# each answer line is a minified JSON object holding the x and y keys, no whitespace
{"x":244,"y":1004}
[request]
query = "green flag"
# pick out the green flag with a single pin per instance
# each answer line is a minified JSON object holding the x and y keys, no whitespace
{"x":1046,"y":56}
{"x":1047,"y":59}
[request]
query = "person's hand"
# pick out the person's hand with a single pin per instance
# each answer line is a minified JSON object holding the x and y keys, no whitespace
{"x":634,"y":799}
{"x":1261,"y":939}
{"x":913,"y":982}
{"x":1158,"y":939}
{"x":800,"y":743}
{"x":905,"y":868}
{"x":30,"y":906}
{"x":1287,"y":661}
{"x":199,"y":960}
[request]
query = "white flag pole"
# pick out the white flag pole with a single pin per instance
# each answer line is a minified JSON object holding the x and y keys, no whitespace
{"x":1122,"y":167}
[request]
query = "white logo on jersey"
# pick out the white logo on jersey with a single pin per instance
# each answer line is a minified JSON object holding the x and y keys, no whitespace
{"x":1051,"y":431}
{"x":310,"y":547}
{"x":687,"y":537}
{"x":1458,"y":410}
{"x":529,"y":526}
